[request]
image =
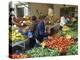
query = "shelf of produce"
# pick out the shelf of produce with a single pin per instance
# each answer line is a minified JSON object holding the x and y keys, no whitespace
{"x":19,"y":43}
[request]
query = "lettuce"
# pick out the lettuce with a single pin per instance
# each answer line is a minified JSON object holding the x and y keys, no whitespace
{"x":72,"y":50}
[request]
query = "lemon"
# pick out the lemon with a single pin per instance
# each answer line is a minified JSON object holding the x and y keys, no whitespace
{"x":13,"y":38}
{"x":18,"y":34}
{"x":17,"y":38}
{"x":65,"y":28}
{"x":43,"y":44}
{"x":68,"y":36}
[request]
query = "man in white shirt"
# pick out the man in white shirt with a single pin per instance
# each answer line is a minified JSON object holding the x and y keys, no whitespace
{"x":62,"y":21}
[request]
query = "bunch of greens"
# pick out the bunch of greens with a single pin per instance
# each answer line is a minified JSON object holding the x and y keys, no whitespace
{"x":73,"y":32}
{"x":41,"y":52}
{"x":72,"y":50}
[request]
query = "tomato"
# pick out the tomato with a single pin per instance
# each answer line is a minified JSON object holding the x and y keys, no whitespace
{"x":58,"y":42}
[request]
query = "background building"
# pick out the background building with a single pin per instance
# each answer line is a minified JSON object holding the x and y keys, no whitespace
{"x":24,"y":8}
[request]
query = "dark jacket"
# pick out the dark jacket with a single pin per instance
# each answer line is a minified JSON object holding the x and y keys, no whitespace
{"x":40,"y":28}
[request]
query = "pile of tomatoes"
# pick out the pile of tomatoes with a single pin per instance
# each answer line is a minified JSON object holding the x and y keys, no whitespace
{"x":19,"y":56}
{"x":59,"y":42}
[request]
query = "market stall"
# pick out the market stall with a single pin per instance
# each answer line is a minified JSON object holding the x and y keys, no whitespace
{"x":60,"y":40}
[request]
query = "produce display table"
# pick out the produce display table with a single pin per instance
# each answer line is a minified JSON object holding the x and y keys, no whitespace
{"x":19,"y":43}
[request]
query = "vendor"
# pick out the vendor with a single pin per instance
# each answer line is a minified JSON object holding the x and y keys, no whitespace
{"x":63,"y":21}
{"x":12,"y":17}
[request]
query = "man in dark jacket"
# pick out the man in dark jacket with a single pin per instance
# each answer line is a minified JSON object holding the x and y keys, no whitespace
{"x":40,"y":30}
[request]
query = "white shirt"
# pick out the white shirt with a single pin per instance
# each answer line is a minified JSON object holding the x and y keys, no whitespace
{"x":62,"y":21}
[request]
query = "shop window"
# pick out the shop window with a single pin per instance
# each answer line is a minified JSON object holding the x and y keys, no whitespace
{"x":67,"y":11}
{"x":20,"y":12}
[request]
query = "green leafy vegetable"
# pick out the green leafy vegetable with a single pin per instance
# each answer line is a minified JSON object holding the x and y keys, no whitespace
{"x":41,"y":52}
{"x":72,"y":50}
